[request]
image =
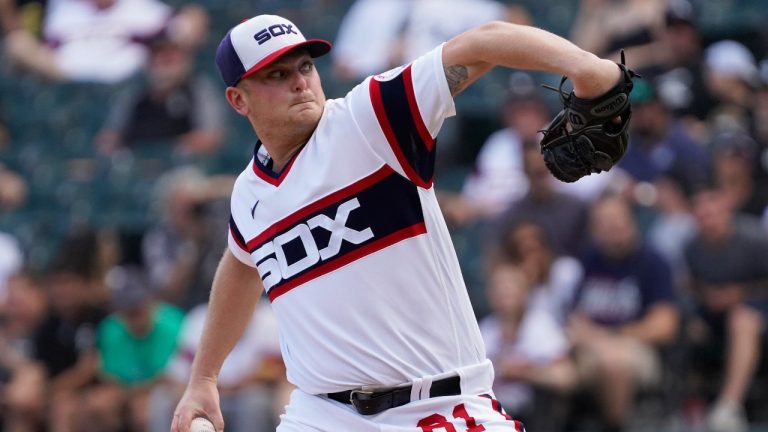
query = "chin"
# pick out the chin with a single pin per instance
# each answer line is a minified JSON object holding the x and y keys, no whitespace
{"x":310,"y":114}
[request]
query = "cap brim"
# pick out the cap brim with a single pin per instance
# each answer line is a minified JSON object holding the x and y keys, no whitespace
{"x":315,"y":47}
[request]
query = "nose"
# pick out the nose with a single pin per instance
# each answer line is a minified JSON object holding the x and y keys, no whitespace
{"x":300,"y":83}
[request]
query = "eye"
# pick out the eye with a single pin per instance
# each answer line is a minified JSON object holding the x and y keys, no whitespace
{"x":306,"y":67}
{"x":276,"y":74}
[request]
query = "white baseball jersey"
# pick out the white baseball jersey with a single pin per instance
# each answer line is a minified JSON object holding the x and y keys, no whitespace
{"x":350,"y":243}
{"x":102,"y":45}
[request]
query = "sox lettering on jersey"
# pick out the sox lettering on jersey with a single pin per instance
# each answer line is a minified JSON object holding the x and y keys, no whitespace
{"x":369,"y":215}
{"x":277,"y":268}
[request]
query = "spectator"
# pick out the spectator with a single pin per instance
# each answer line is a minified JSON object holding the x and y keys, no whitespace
{"x":182,"y":249}
{"x":171,"y":104}
{"x":21,"y":312}
{"x":665,"y":45}
{"x":728,"y":266}
{"x":252,"y":380}
{"x":602,"y":26}
{"x":554,"y":277}
{"x":11,"y":261}
{"x":673,"y":225}
{"x":498,"y":178}
{"x":13,"y":193}
{"x":661,"y":144}
{"x":22,"y":23}
{"x":735,"y":165}
{"x":368,"y":36}
{"x":562,"y":216}
{"x":100,"y":40}
{"x":527,"y":346}
{"x":376,"y":35}
{"x":431,"y":22}
{"x":677,"y":67}
{"x":731,"y":76}
{"x":13,"y":190}
{"x":65,"y":343}
{"x":624,"y":311}
{"x":136,"y":342}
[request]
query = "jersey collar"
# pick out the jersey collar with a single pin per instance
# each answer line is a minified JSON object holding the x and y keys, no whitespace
{"x":262,"y":165}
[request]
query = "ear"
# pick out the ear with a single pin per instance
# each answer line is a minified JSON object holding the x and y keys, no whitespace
{"x":237,"y":100}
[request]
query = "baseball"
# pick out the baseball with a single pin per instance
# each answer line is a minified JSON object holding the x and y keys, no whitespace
{"x":201,"y":424}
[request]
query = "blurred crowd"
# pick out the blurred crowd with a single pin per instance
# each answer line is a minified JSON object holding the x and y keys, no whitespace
{"x":632,"y":300}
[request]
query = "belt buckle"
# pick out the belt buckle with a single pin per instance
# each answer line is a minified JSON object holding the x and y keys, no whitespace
{"x":367,"y":402}
{"x":365,"y":393}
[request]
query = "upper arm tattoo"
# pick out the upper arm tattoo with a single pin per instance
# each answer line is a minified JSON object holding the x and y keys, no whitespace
{"x":456,"y":76}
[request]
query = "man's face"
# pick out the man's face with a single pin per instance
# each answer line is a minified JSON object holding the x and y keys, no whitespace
{"x":170,"y":64}
{"x":285,"y":94}
{"x":138,"y":319}
{"x":527,"y":117}
{"x":683,"y":41}
{"x":613,"y":228}
{"x":541,"y":180}
{"x":69,"y":292}
{"x":649,"y":119}
{"x":713,"y":214}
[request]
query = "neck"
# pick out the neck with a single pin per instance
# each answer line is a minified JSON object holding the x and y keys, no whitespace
{"x":283,"y":140}
{"x":718,"y":235}
{"x":280,"y":159}
{"x":282,"y":148}
{"x":542,"y":194}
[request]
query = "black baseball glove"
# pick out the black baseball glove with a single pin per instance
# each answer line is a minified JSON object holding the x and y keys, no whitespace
{"x":586,"y":137}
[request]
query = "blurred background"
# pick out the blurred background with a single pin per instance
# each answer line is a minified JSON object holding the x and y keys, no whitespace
{"x":631,"y":300}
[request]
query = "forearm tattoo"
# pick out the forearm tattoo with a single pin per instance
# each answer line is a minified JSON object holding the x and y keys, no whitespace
{"x":456,"y":75}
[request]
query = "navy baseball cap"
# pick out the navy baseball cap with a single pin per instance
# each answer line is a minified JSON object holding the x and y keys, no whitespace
{"x":257,"y":42}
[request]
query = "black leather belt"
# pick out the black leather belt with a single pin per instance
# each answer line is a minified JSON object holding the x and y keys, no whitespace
{"x":374,"y":402}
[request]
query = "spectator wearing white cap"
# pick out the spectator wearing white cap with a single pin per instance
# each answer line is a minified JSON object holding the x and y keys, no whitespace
{"x":731,"y":78}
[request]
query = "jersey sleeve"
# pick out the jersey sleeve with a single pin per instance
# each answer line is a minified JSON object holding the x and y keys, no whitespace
{"x":409,"y":105}
{"x":236,"y":242}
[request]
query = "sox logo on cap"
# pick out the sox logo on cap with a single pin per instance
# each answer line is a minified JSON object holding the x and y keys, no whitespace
{"x":257,"y":42}
{"x":274,"y":30}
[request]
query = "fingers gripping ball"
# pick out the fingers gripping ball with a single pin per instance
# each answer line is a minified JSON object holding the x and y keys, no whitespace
{"x":201,"y":424}
{"x":589,"y":135}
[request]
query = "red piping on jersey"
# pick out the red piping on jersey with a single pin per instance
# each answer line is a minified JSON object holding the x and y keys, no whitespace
{"x":411,"y":231}
{"x":496,"y":405}
{"x":381,"y":115}
{"x":257,"y":169}
{"x":429,"y":142}
{"x":234,"y":237}
{"x":340,"y":194}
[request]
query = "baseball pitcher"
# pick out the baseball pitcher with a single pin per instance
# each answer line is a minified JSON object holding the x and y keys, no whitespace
{"x":335,"y":217}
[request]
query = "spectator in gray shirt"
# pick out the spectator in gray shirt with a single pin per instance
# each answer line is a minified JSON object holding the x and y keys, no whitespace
{"x":728,"y":261}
